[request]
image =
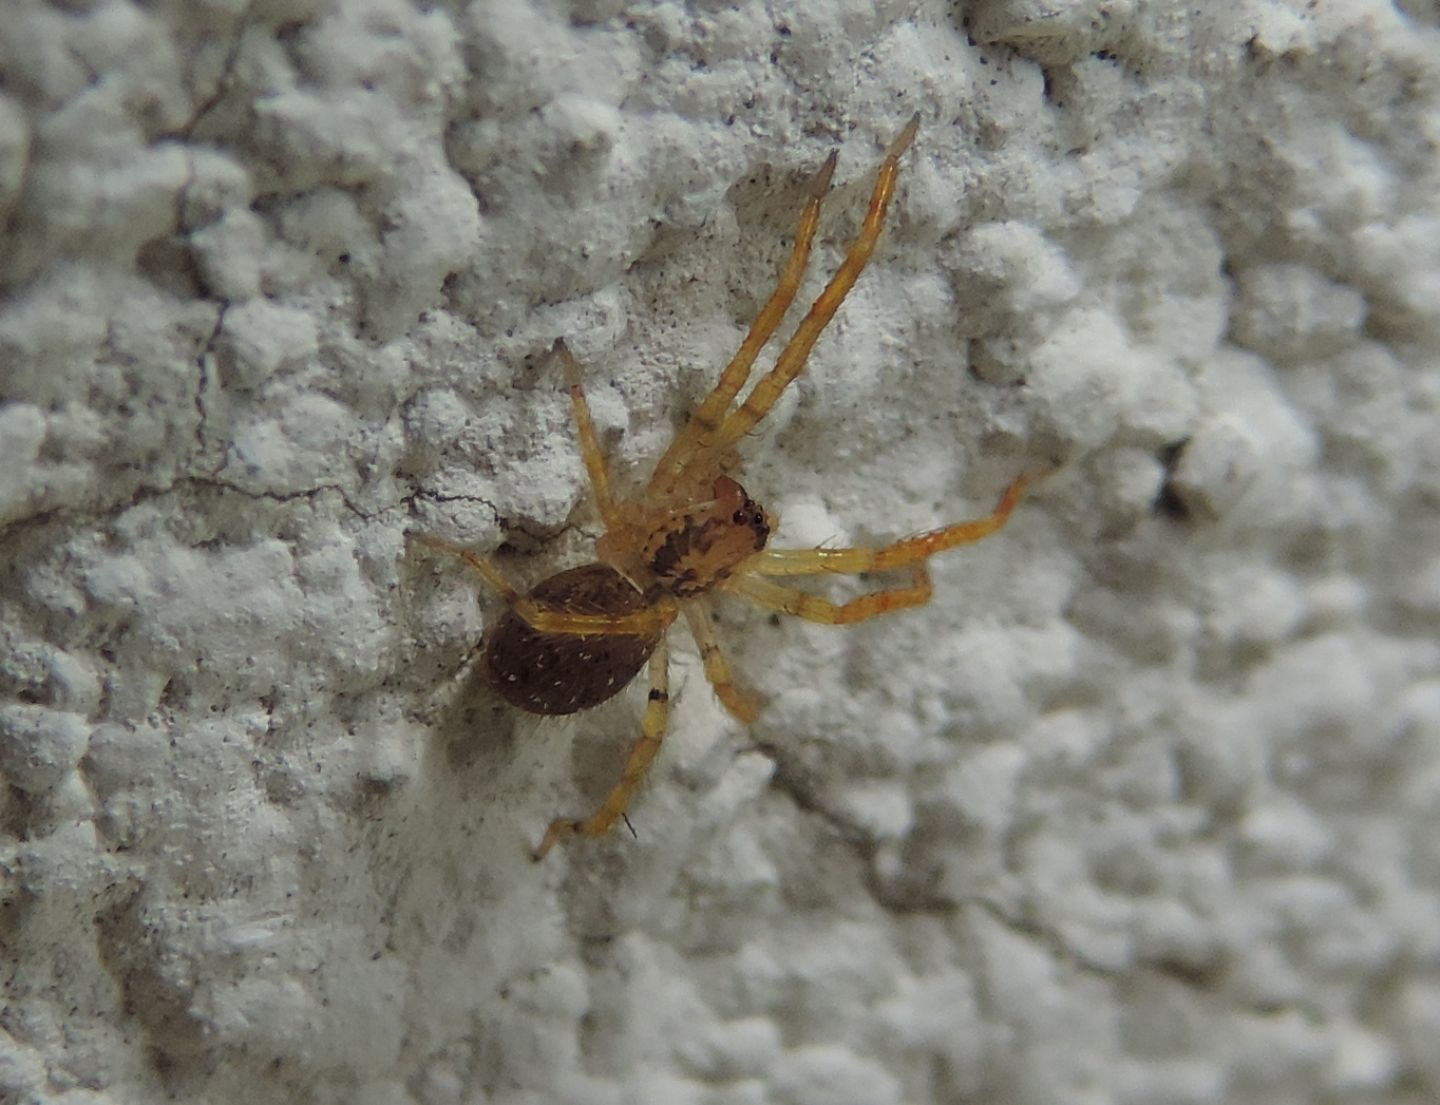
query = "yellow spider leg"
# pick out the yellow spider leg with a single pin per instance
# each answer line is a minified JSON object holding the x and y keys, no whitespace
{"x":637,"y":765}
{"x":710,"y":412}
{"x":585,"y":428}
{"x":813,"y":608}
{"x":651,"y":620}
{"x":800,"y":562}
{"x":792,"y":359}
{"x":742,"y":702}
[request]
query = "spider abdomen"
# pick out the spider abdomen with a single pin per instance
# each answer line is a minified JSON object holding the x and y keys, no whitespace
{"x":559,"y":673}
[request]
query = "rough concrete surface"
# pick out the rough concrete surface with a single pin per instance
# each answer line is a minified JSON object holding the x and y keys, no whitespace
{"x":1144,"y":807}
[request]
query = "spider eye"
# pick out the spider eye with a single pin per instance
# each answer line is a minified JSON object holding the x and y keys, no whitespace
{"x":751,"y":519}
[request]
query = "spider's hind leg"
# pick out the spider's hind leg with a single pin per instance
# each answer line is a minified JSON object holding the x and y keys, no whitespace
{"x":590,"y":450}
{"x":637,"y":765}
{"x":649,"y":619}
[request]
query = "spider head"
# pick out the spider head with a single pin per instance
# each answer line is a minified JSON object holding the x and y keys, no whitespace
{"x":697,"y":548}
{"x":743,"y":515}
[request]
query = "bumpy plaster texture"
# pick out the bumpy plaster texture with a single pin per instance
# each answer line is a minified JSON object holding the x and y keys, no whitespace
{"x":1143,"y":807}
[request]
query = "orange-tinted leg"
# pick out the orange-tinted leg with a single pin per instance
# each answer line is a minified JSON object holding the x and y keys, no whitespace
{"x":708,"y":415}
{"x":813,"y":608}
{"x":801,"y":562}
{"x":637,"y":766}
{"x":585,"y":429}
{"x":792,"y":359}
{"x":650,"y":620}
{"x":742,"y":702}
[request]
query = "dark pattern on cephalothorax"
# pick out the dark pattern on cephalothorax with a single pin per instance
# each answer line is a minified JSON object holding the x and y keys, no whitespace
{"x":695,"y":557}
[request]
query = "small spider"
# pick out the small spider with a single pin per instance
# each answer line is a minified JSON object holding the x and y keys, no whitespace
{"x":580,"y":636}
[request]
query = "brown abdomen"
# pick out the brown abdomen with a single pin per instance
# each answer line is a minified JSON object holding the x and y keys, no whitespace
{"x":557,"y":673}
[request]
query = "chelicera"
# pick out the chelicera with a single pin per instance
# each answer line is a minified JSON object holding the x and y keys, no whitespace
{"x":580,"y":636}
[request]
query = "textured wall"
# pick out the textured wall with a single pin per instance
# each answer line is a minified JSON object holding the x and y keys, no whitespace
{"x":1144,"y":807}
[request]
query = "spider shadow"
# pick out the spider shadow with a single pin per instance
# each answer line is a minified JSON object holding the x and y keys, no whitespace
{"x":474,"y":732}
{"x":522,"y":769}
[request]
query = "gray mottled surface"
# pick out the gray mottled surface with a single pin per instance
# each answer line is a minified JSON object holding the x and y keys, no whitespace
{"x":1144,"y":807}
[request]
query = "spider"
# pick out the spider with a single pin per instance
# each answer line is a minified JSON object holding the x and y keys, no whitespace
{"x":579,"y":637}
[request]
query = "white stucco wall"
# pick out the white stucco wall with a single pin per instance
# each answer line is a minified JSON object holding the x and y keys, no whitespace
{"x":1144,"y":807}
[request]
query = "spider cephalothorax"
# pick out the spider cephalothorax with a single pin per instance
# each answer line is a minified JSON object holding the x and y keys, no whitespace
{"x":695,"y":549}
{"x":578,"y":637}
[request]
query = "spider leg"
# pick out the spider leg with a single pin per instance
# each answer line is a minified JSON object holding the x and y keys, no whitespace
{"x":792,"y":358}
{"x":637,"y":765}
{"x":742,"y":702}
{"x":813,"y":608}
{"x":585,"y":428}
{"x":707,"y":417}
{"x":652,"y":619}
{"x":908,"y":550}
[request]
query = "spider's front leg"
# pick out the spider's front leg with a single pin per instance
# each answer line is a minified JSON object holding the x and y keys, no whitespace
{"x":637,"y":765}
{"x":911,"y":552}
{"x":813,"y":608}
{"x":709,"y":414}
{"x":791,"y":361}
